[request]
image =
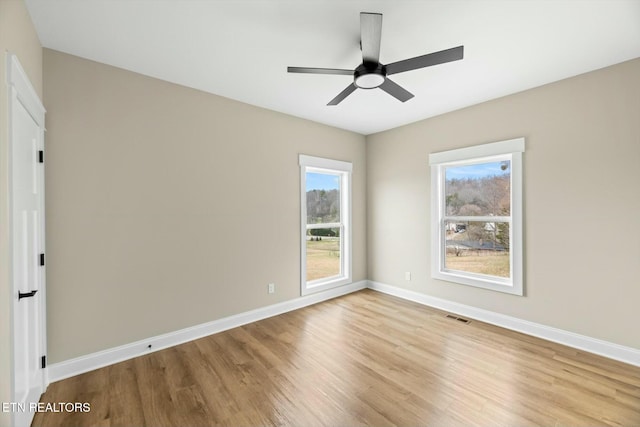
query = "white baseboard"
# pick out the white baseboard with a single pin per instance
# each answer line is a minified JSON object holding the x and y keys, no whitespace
{"x":89,"y":362}
{"x":592,"y":345}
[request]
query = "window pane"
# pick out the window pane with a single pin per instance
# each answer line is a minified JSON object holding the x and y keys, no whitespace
{"x":479,"y":189}
{"x":323,"y":253}
{"x":323,"y":197}
{"x":478,"y":247}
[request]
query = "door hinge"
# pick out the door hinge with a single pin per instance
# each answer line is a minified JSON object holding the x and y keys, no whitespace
{"x":40,"y":156}
{"x":41,"y":259}
{"x":43,"y":362}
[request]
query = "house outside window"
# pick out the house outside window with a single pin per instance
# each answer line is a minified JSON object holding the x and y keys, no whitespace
{"x":326,"y":223}
{"x":476,"y":216}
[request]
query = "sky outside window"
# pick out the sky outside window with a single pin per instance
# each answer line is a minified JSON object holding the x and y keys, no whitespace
{"x":322,"y":181}
{"x":478,"y":171}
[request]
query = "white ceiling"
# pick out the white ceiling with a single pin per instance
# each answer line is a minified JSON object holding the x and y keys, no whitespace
{"x":241,"y":49}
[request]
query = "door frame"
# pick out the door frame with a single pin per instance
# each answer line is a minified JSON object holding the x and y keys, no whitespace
{"x":20,"y":90}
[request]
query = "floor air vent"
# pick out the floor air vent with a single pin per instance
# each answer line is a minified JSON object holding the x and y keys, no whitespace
{"x":459,"y":319}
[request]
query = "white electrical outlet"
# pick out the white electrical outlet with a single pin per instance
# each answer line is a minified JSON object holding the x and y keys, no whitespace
{"x":272,"y":288}
{"x":407,"y":275}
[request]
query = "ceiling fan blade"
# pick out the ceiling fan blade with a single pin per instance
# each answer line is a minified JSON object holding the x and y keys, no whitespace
{"x":448,"y":55}
{"x":370,"y":33}
{"x":395,"y":90}
{"x":342,"y":95}
{"x":309,"y":70}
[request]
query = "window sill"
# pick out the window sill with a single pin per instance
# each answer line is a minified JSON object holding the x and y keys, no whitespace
{"x":324,"y":284}
{"x":480,"y":281}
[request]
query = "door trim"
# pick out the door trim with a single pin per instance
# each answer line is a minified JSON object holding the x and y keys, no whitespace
{"x":26,"y":94}
{"x":20,"y":90}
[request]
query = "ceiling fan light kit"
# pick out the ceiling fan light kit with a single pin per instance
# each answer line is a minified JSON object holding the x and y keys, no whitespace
{"x":369,"y":77}
{"x":371,"y":73}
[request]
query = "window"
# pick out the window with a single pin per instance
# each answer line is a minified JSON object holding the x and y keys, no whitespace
{"x":476,"y":216}
{"x":326,"y":223}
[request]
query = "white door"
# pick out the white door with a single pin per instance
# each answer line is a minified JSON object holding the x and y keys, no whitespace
{"x":27,"y":225}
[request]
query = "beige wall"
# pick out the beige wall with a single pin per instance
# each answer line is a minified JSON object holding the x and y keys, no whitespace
{"x":581,"y":196}
{"x":17,"y":36}
{"x":140,"y":244}
{"x":168,"y":207}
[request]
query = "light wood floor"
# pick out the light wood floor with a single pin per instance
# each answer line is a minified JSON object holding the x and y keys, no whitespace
{"x":362,"y":359}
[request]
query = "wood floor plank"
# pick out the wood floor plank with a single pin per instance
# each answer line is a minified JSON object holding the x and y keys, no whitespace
{"x":362,"y":359}
{"x":124,"y":395}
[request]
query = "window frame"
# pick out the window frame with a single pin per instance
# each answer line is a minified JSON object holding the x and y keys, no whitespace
{"x":503,"y":150}
{"x":344,"y":171}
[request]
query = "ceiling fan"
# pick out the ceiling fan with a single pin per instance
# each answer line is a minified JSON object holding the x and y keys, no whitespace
{"x":371,"y":73}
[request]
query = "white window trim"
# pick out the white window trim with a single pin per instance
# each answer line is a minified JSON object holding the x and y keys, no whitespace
{"x":512,"y":148}
{"x":343,"y":169}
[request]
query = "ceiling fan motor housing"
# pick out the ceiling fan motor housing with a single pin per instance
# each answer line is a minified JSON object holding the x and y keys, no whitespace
{"x":369,"y":75}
